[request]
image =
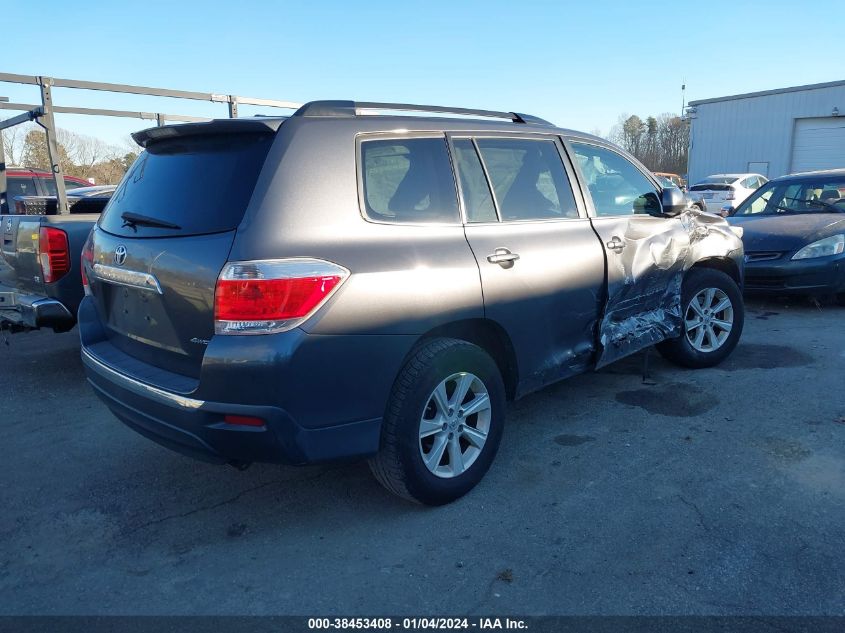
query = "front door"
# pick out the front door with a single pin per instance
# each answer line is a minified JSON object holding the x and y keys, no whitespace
{"x":646,"y":252}
{"x":540,"y":262}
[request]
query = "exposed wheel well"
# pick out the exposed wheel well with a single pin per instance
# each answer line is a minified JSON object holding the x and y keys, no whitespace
{"x":489,"y":336}
{"x":725,"y":264}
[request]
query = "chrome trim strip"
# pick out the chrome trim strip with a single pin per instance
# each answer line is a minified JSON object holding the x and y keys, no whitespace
{"x":131,"y":278}
{"x":138,"y":387}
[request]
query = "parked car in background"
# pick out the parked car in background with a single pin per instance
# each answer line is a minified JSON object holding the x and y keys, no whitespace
{"x":240,"y":310}
{"x":794,"y":235}
{"x":40,"y":285}
{"x":720,"y":189}
{"x":675,"y":179}
{"x":29,"y":182}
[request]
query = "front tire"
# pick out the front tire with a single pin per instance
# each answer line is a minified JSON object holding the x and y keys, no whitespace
{"x":713,"y":315}
{"x":443,"y":423}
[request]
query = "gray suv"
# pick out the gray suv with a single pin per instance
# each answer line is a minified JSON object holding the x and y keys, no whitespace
{"x":344,"y":284}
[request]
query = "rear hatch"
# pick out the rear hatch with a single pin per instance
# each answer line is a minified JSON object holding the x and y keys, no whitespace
{"x":166,"y":234}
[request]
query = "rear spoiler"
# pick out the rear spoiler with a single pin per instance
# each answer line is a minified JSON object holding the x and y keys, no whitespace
{"x":217,"y":126}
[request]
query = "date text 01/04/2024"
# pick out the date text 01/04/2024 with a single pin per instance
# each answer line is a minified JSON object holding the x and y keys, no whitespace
{"x":430,"y":623}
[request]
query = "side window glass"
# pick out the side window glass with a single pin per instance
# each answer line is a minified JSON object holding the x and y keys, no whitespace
{"x":408,"y":181}
{"x":476,"y":193}
{"x":528,"y":179}
{"x":616,"y":186}
{"x":759,"y":205}
{"x":72,"y":184}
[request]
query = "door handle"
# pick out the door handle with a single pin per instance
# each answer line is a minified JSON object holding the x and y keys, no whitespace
{"x":503,"y":257}
{"x":616,"y":244}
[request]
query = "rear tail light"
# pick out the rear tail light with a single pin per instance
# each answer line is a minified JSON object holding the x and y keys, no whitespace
{"x":731,"y":194}
{"x":87,"y":261}
{"x":272,"y":295}
{"x":53,"y":254}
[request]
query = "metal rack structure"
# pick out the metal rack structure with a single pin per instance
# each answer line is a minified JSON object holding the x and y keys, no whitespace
{"x":43,"y":114}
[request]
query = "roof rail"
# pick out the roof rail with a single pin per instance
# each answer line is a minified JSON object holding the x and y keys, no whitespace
{"x":354,"y":108}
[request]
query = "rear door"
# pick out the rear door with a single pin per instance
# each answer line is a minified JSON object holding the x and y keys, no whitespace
{"x":164,"y":237}
{"x":645,"y":253}
{"x":541,"y":265}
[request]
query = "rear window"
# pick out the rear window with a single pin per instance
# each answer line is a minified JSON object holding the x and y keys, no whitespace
{"x":201,"y":184}
{"x":20,"y":187}
{"x":710,"y":187}
{"x":16,"y":186}
{"x":50,"y":185}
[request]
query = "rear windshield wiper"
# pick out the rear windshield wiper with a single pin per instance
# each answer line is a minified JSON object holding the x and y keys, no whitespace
{"x":134,"y":220}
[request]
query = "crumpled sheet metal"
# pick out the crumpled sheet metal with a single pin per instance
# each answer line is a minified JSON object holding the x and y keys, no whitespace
{"x":647,"y":308}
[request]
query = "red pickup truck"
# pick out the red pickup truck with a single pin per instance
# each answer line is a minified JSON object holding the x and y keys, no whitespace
{"x":28,"y":182}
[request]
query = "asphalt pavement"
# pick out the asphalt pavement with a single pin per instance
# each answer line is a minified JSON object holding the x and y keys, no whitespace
{"x":718,"y":491}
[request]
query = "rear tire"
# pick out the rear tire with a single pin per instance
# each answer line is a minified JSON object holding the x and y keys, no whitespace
{"x":712,"y":314}
{"x":443,"y":423}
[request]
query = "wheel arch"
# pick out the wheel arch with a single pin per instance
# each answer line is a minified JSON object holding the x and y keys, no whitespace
{"x":489,"y":336}
{"x":723,"y":264}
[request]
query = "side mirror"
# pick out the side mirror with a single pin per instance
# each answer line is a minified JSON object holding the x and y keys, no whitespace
{"x":726,"y":210}
{"x":673,"y":201}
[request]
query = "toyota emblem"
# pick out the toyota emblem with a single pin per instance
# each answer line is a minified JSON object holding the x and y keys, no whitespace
{"x":120,"y":255}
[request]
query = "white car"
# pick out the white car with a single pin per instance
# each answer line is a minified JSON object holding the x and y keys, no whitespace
{"x":719,"y":190}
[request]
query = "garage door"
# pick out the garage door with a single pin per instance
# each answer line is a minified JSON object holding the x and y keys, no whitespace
{"x":818,"y":144}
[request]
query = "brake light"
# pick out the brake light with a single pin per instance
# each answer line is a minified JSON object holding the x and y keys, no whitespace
{"x":53,"y":254}
{"x":87,"y":260}
{"x":273,"y":295}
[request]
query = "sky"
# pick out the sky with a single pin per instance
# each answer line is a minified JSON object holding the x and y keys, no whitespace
{"x":578,"y":64}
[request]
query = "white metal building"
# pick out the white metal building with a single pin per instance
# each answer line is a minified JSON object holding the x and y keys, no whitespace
{"x":774,"y":132}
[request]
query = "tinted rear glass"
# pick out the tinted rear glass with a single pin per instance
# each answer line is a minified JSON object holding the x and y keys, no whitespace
{"x":408,"y":181}
{"x":712,"y":187}
{"x":50,"y":185}
{"x":20,"y":187}
{"x":201,"y":184}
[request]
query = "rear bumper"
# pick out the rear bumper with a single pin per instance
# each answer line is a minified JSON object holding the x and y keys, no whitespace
{"x":714,"y":206}
{"x":785,"y":276}
{"x":197,"y":428}
{"x":22,"y":311}
{"x":321,"y":398}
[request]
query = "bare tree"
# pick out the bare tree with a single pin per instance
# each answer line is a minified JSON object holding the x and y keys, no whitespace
{"x":660,"y":143}
{"x":13,"y":143}
{"x":80,"y":155}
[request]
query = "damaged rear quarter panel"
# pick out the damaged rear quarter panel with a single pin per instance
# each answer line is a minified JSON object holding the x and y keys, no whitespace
{"x":645,"y":279}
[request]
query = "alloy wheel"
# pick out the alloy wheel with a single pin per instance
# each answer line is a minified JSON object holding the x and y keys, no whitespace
{"x":454,"y":425}
{"x":709,"y":319}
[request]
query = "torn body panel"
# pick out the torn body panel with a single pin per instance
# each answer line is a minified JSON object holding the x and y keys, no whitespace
{"x":647,"y":258}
